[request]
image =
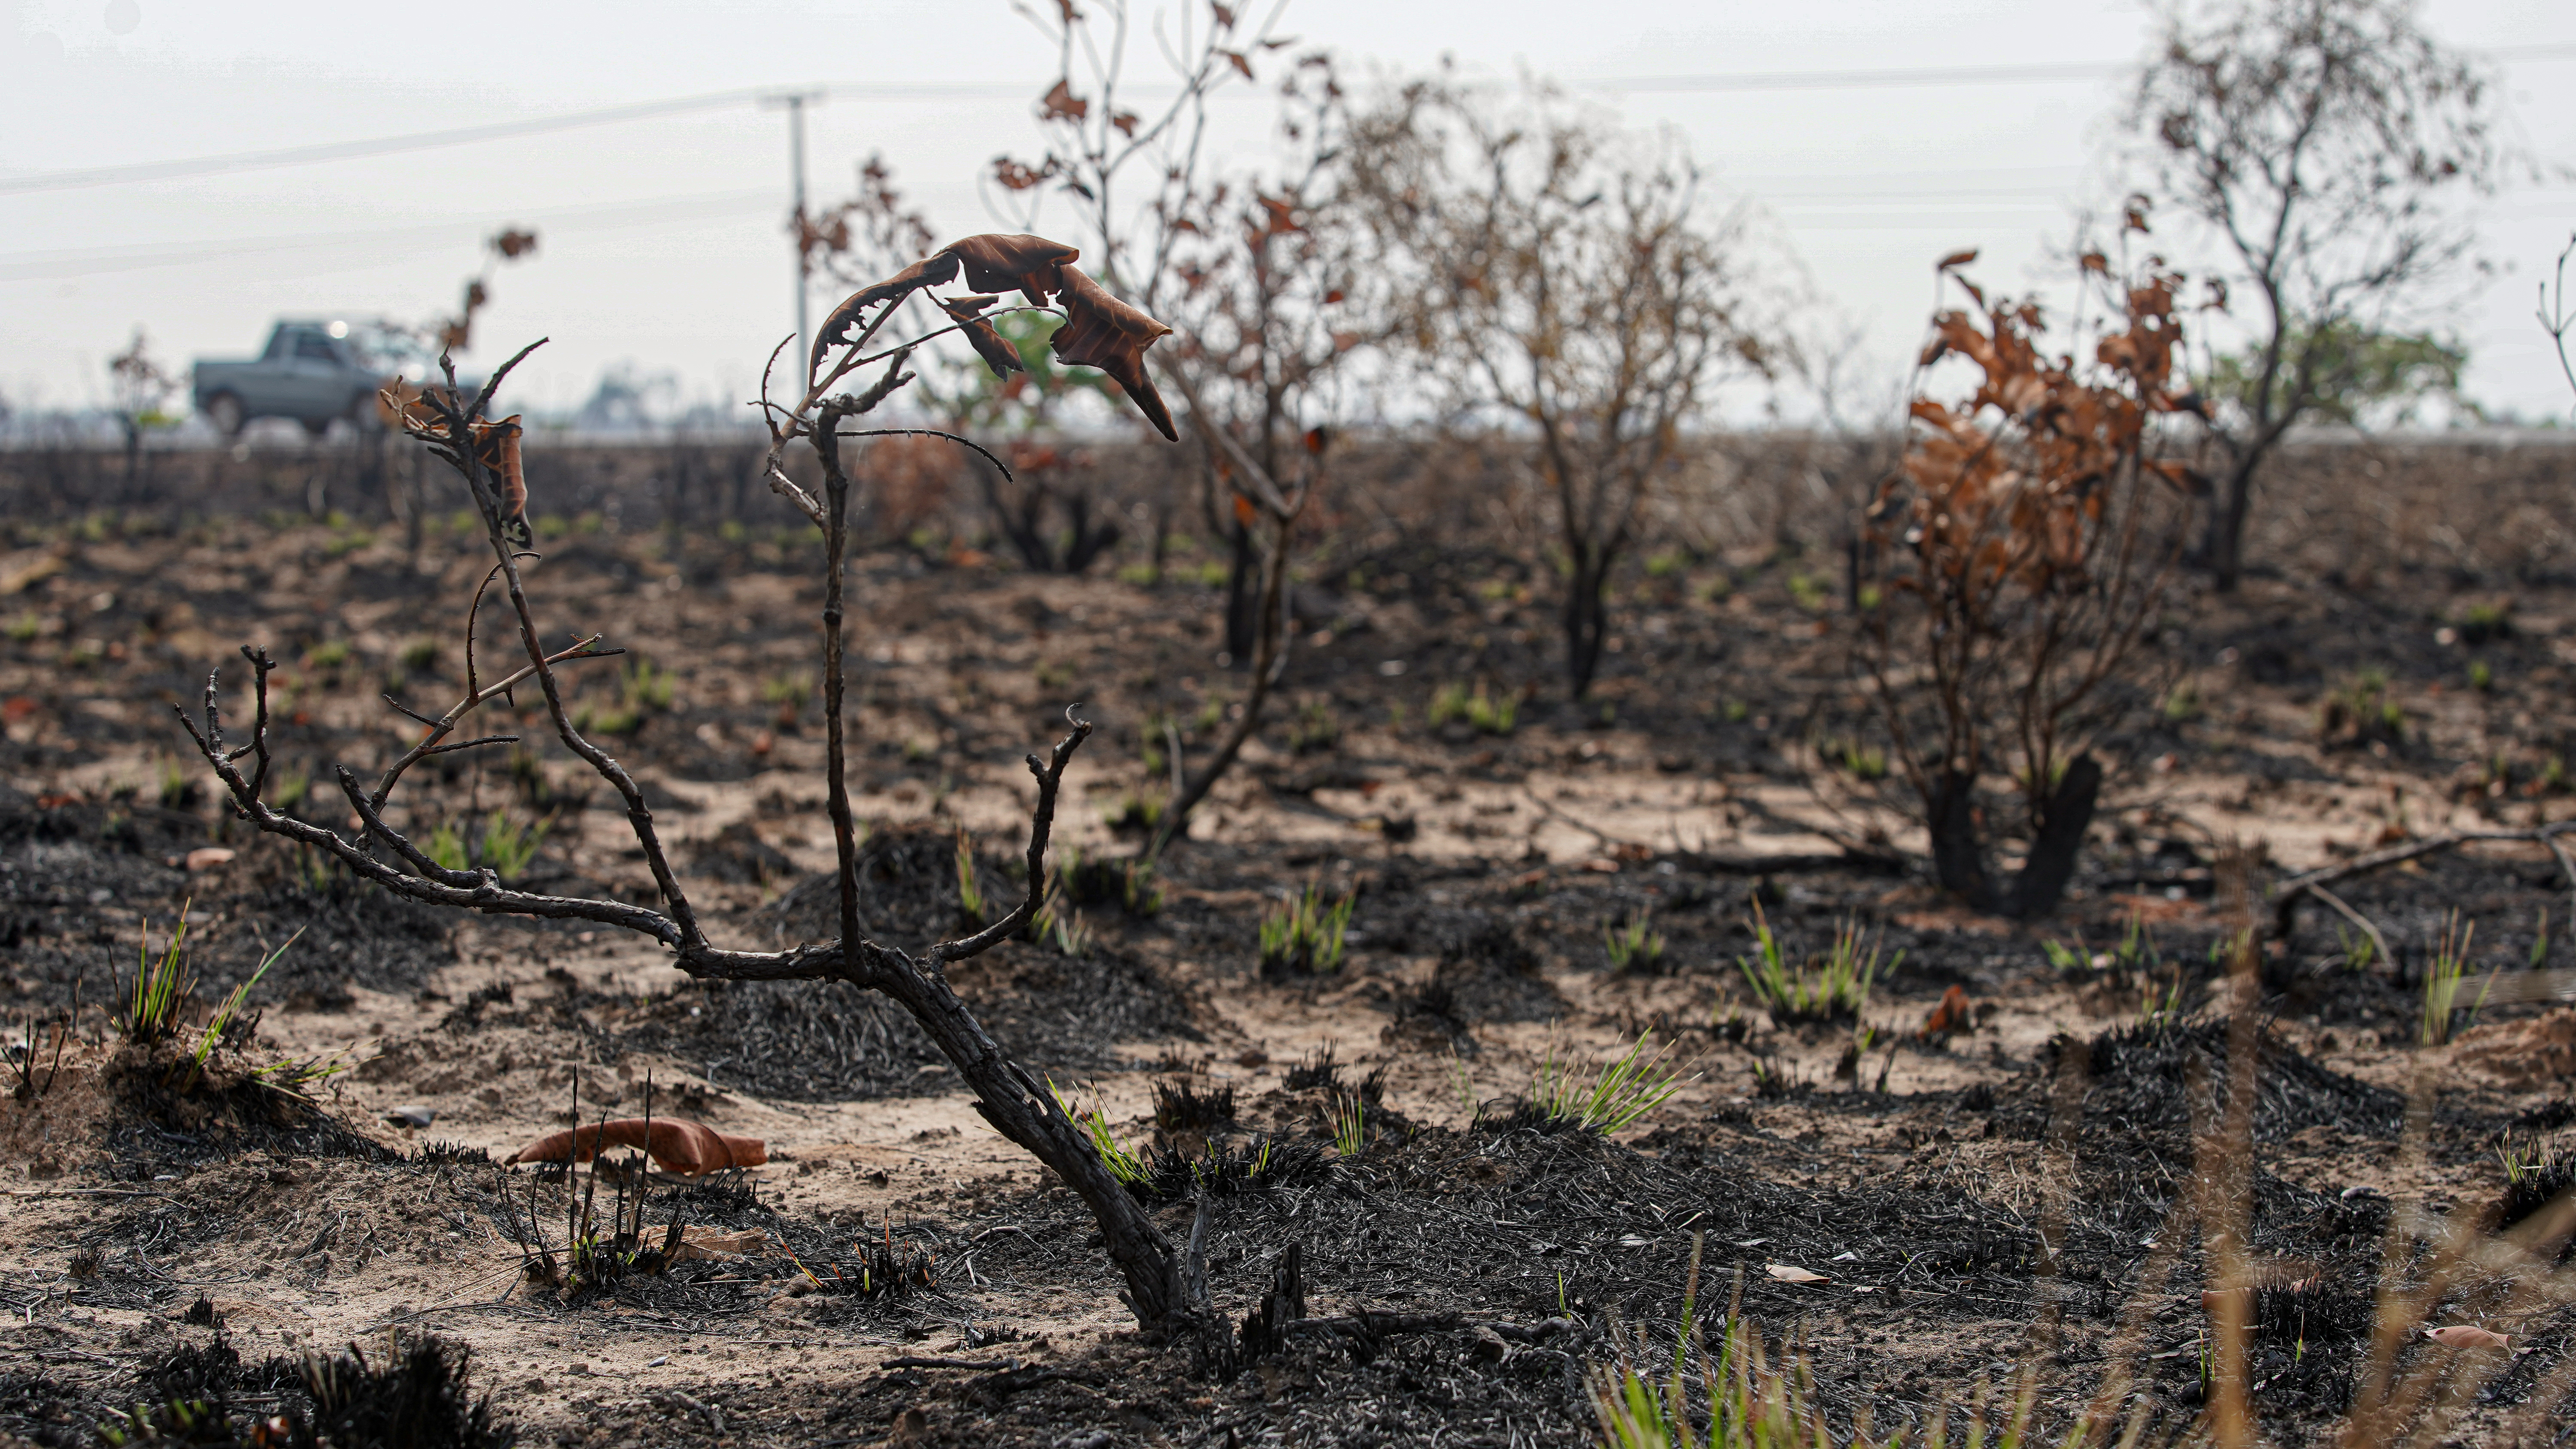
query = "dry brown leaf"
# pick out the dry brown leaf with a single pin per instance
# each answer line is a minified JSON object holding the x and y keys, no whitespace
{"x":1004,"y":262}
{"x":1061,"y":104}
{"x":1950,"y":1016}
{"x":989,"y":345}
{"x":930,"y":271}
{"x":1101,"y":331}
{"x":496,"y":446}
{"x":2468,"y":1335}
{"x":1956,"y":259}
{"x":684,"y":1147}
{"x":1791,"y":1273}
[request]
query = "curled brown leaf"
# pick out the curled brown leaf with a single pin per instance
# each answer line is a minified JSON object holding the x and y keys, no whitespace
{"x":496,"y":446}
{"x":1103,"y":332}
{"x":1061,"y":104}
{"x":1002,"y":262}
{"x":930,"y":271}
{"x":2468,"y":1335}
{"x":989,"y":345}
{"x":678,"y":1145}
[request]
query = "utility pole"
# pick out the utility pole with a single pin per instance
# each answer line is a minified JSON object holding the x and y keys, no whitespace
{"x":795,"y":102}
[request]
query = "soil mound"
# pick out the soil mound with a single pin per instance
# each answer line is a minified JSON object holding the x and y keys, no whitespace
{"x":2139,"y":1080}
{"x":2539,"y":1052}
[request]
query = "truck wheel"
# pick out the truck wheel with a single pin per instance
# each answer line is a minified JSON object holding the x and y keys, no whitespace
{"x":225,"y":411}
{"x":316,"y":427}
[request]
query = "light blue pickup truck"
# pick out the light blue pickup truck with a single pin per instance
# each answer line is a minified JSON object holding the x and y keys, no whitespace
{"x":313,"y":371}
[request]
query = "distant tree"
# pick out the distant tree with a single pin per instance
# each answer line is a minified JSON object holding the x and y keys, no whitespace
{"x":2555,"y":316}
{"x":141,"y":391}
{"x":2375,"y":379}
{"x":1560,"y":277}
{"x":2319,"y":140}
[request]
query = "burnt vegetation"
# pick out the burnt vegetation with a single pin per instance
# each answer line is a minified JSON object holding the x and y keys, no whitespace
{"x":1255,"y":826}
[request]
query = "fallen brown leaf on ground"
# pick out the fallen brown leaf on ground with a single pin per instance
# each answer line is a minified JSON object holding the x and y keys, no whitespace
{"x":1950,"y":1017}
{"x":2468,"y":1335}
{"x":677,"y":1146}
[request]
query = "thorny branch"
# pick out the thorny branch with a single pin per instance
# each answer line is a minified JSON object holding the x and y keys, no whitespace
{"x":1100,"y":331}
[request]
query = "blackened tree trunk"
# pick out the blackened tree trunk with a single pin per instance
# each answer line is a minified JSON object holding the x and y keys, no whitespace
{"x":2053,"y":847}
{"x":1242,"y":597}
{"x":1587,"y":620}
{"x":1959,"y":846}
{"x":1958,"y":851}
{"x":2228,"y":508}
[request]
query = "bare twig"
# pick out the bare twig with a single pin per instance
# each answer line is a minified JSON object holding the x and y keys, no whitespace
{"x":2286,"y":894}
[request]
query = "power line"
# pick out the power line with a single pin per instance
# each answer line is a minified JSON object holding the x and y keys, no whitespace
{"x":385,"y":241}
{"x":1680,"y":84}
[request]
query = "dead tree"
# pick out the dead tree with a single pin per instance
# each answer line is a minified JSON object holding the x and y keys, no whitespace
{"x":2319,"y":143}
{"x":1563,"y":281}
{"x":1099,"y":331}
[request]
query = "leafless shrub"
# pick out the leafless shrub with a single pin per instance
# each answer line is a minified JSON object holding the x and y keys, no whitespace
{"x":2318,"y":141}
{"x":1098,"y":330}
{"x":1553,"y":277}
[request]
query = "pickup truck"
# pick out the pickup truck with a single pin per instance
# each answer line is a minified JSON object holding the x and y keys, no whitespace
{"x":311,"y":371}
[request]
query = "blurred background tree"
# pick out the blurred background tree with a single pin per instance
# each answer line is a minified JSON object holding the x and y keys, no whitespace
{"x":2321,"y":147}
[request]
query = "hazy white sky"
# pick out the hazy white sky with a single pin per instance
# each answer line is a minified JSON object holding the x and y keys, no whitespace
{"x":661,"y":237}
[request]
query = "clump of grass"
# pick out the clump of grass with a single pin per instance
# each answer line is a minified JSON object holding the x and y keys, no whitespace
{"x":1866,"y":763}
{"x":1480,"y":711}
{"x":1123,"y":1165}
{"x":1302,"y":936}
{"x":2442,"y":978}
{"x":177,"y":788}
{"x":2483,"y":622}
{"x":163,"y":989}
{"x":1228,"y":1168}
{"x":1832,"y":988}
{"x":789,"y":692}
{"x":1131,"y":885}
{"x":2362,"y":713}
{"x":502,"y":843}
{"x":227,"y":1018}
{"x":1316,"y":728}
{"x":2535,"y":1175}
{"x":1570,"y":1094}
{"x":1636,"y":948}
{"x":1746,"y":1398}
{"x":23,"y":1055}
{"x":2182,"y":704}
{"x":641,"y":686}
{"x":1133,"y":813}
{"x":1348,"y":1112}
{"x":326,"y":656}
{"x":970,"y":894}
{"x":1056,"y":923}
